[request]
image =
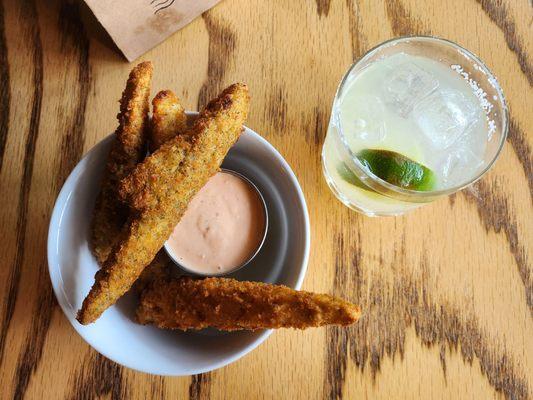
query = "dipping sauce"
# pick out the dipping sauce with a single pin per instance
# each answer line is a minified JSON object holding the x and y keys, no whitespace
{"x":222,"y":228}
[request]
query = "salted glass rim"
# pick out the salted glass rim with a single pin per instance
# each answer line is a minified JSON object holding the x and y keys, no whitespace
{"x":429,"y":193}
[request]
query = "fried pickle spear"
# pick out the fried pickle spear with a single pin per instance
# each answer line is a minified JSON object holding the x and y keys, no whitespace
{"x":165,"y":182}
{"x":160,"y":267}
{"x":186,"y":303}
{"x":128,"y":149}
{"x":168,"y":119}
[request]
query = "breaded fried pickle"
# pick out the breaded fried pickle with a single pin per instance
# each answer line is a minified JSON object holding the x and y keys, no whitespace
{"x":168,"y":121}
{"x":164,"y":184}
{"x":168,"y":118}
{"x":226,"y":304}
{"x":127,"y":150}
{"x":154,"y":181}
{"x":160,"y":267}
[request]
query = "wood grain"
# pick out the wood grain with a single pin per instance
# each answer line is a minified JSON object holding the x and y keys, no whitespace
{"x":447,"y":290}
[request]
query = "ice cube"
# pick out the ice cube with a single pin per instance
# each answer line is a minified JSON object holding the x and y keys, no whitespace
{"x":445,"y":116}
{"x":461,"y":161}
{"x":459,"y":166}
{"x":407,"y":85}
{"x":366,"y":119}
{"x":370,"y":124}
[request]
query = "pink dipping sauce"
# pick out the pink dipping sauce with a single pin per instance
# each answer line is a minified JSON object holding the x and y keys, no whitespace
{"x":222,"y":228}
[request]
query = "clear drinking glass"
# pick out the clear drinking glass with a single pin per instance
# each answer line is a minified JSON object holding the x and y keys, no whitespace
{"x":414,"y":103}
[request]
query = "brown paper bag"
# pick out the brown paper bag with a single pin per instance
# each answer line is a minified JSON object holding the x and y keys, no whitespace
{"x":138,"y":25}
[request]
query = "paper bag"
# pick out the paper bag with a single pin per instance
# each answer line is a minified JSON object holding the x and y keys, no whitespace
{"x":138,"y":25}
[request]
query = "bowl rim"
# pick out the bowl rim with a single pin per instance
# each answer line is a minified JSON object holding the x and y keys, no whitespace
{"x":53,"y":263}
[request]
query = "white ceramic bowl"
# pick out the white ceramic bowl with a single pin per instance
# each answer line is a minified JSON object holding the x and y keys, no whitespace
{"x":282,"y":259}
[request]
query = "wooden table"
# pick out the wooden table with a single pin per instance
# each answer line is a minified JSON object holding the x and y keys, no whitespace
{"x":447,"y":290}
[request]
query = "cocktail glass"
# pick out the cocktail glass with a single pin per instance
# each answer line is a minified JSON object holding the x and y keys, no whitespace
{"x":351,"y":179}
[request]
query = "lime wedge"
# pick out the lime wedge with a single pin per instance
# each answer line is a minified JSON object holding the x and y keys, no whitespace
{"x":397,"y":169}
